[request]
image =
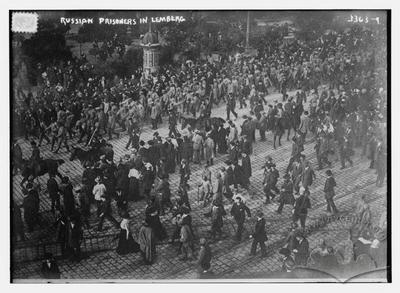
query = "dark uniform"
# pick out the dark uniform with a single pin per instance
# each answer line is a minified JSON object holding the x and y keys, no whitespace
{"x":286,"y":194}
{"x":238,"y":212}
{"x":259,"y":236}
{"x":330,"y":184}
{"x":52,"y":188}
{"x":301,"y":207}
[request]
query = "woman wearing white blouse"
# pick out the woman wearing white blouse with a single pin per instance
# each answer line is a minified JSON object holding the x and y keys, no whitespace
{"x":126,"y":243}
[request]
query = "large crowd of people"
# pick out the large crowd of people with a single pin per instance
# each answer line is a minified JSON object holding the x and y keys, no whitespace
{"x":340,"y":104}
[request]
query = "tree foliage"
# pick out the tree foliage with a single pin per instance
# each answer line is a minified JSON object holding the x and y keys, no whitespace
{"x":47,"y":46}
{"x":311,"y":23}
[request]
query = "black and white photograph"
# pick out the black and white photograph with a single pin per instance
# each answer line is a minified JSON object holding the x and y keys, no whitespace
{"x":200,"y":145}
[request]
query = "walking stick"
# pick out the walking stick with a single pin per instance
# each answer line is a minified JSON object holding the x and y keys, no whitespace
{"x":90,"y":140}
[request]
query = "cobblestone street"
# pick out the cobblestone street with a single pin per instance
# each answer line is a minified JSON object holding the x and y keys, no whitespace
{"x":231,"y":259}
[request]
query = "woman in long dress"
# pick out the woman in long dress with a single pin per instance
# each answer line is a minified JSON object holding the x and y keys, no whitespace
{"x":133,"y":193}
{"x":153,"y":219}
{"x":147,"y":243}
{"x":126,"y":243}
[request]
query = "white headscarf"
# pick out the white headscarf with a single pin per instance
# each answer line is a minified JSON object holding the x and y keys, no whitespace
{"x":125,"y":226}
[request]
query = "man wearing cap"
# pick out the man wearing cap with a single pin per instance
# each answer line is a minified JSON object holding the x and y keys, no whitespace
{"x":238,"y":212}
{"x":329,"y":189}
{"x":259,"y":236}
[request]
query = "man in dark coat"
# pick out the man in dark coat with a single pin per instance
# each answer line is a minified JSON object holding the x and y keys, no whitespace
{"x":35,"y":157}
{"x":205,"y":256}
{"x":329,"y":190}
{"x":122,"y":180}
{"x":105,"y":213}
{"x":164,"y":189}
{"x":274,"y":179}
{"x":263,"y":125}
{"x":297,"y":148}
{"x":286,"y":194}
{"x":68,"y":196}
{"x":301,"y":207}
{"x":170,"y":155}
{"x":18,"y":224}
{"x":237,"y":175}
{"x":52,"y":188}
{"x":238,"y":212}
{"x":230,"y":177}
{"x":74,"y":235}
{"x":217,"y":212}
{"x":84,"y":194}
{"x":259,"y":236}
{"x":133,"y":136}
{"x":172,"y":123}
{"x":301,"y":250}
{"x":221,"y":140}
{"x":246,"y":170}
{"x":49,"y":269}
{"x":230,"y":106}
{"x":246,"y":146}
{"x":308,"y":175}
{"x":31,"y":207}
{"x":233,"y":155}
{"x":184,"y":172}
{"x":147,"y":241}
